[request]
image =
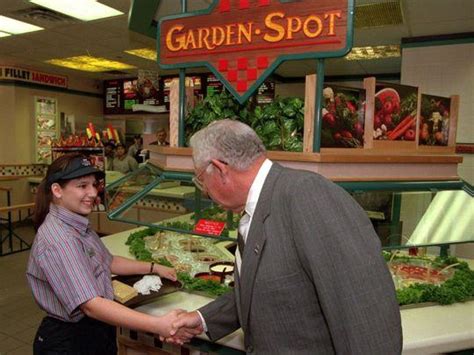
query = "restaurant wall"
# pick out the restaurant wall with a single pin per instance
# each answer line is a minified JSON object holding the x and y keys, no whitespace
{"x":446,"y":70}
{"x":82,"y":99}
{"x":17,"y":118}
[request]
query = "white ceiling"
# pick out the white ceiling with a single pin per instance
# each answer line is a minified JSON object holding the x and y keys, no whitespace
{"x":110,"y":37}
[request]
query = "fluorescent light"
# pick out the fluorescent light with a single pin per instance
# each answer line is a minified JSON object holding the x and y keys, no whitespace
{"x":16,"y":27}
{"x":4,"y":34}
{"x":85,"y":10}
{"x":89,"y":63}
{"x":375,"y":52}
{"x":147,"y":53}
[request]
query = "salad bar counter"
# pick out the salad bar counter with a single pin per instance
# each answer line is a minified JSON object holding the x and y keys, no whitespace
{"x":428,"y":328}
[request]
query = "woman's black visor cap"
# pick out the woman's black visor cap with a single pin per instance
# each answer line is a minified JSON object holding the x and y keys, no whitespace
{"x":77,"y":168}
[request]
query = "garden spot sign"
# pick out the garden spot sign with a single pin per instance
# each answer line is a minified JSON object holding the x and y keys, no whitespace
{"x":243,"y":41}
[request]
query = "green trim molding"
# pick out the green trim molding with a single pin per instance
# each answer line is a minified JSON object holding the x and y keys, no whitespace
{"x":402,"y":185}
{"x":439,"y":40}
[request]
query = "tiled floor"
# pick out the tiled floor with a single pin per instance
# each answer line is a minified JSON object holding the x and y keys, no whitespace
{"x":19,"y":314}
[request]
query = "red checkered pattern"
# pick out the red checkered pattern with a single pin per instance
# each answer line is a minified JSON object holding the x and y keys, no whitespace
{"x":225,"y":5}
{"x":232,"y":75}
{"x":252,"y":74}
{"x":244,"y":4}
{"x":222,"y":64}
{"x":242,"y":72}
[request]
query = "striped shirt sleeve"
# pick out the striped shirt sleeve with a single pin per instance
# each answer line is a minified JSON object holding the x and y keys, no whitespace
{"x":71,"y":273}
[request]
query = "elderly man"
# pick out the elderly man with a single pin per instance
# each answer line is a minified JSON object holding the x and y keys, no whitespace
{"x":310,"y":277}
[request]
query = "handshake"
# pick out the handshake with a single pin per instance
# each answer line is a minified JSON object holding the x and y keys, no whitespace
{"x":179,"y":326}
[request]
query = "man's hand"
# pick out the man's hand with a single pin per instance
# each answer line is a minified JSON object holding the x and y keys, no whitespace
{"x":164,"y":324}
{"x":186,"y":326}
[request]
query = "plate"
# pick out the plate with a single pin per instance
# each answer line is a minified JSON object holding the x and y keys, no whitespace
{"x":167,"y":288}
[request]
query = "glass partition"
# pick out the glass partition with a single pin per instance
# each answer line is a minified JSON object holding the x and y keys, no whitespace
{"x":419,"y":218}
{"x":168,"y":202}
{"x":404,"y":214}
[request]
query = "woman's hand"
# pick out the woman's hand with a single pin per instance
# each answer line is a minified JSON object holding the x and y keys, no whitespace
{"x":166,"y":272}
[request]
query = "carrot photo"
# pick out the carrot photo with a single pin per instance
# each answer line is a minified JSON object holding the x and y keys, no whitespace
{"x":395,"y":112}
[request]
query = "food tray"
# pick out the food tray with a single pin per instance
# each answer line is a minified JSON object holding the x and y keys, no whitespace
{"x":167,"y":288}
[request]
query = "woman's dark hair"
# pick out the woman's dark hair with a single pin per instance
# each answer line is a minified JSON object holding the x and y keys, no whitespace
{"x":44,"y":197}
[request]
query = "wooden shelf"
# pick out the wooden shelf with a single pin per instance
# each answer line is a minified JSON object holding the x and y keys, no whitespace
{"x":346,"y":165}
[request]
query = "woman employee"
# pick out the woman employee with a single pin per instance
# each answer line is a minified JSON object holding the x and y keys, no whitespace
{"x":69,"y":270}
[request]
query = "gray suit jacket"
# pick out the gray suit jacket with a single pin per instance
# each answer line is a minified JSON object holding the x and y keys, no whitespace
{"x":313,"y":279}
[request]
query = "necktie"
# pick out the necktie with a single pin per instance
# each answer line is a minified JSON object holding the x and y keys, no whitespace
{"x":242,"y":232}
{"x":240,"y":243}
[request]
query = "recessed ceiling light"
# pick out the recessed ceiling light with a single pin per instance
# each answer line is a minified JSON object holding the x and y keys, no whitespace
{"x":374,"y":52}
{"x":85,"y":10}
{"x":4,"y":34}
{"x":89,"y":63}
{"x":16,"y":27}
{"x":147,"y":53}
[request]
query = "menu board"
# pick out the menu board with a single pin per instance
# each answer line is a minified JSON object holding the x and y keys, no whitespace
{"x":194,"y":81}
{"x":46,"y":128}
{"x":213,"y":85}
{"x":113,"y":96}
{"x":266,"y":92}
{"x":166,"y":92}
{"x":122,"y":94}
{"x":130,"y":94}
{"x":148,"y":89}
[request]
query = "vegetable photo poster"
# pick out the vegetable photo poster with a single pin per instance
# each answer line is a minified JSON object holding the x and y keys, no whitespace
{"x":46,"y":127}
{"x":434,"y":120}
{"x":395,"y":112}
{"x":343,"y":117}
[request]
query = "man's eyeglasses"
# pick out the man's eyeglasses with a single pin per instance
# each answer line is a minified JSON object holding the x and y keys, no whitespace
{"x":197,"y":179}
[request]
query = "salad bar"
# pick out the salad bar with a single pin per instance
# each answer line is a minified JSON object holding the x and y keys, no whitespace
{"x":430,"y":280}
{"x":203,"y":264}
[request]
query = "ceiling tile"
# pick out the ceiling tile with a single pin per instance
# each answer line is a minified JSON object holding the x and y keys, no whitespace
{"x":110,"y":37}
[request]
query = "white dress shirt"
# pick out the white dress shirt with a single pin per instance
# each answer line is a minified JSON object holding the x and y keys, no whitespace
{"x":251,"y":205}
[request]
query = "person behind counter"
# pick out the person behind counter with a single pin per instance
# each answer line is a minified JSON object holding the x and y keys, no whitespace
{"x":109,"y":152}
{"x":69,"y":268}
{"x":135,"y":149}
{"x":160,"y":138}
{"x":310,"y":276}
{"x":123,"y":162}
